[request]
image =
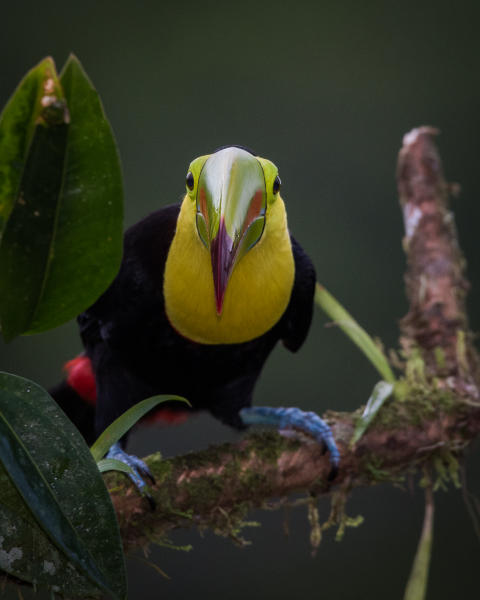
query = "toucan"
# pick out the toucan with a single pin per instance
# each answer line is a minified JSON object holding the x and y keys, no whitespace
{"x":205,"y":291}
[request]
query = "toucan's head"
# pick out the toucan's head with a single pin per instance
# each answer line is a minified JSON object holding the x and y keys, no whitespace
{"x":232,"y":190}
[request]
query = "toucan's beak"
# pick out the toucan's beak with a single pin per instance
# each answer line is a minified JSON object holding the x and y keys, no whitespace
{"x":231,"y":204}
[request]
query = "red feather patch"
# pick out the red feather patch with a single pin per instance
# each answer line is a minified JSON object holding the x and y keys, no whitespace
{"x":166,"y":416}
{"x":81,"y":378}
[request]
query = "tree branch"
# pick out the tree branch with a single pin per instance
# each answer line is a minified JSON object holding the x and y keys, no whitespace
{"x":435,"y":281}
{"x":434,"y":414}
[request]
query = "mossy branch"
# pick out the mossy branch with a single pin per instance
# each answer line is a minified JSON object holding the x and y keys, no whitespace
{"x":433,"y":415}
{"x":215,"y":488}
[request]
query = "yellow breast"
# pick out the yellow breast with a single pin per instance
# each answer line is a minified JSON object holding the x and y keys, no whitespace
{"x":256,"y":296}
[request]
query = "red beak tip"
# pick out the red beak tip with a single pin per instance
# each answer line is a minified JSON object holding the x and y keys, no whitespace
{"x":219,"y":304}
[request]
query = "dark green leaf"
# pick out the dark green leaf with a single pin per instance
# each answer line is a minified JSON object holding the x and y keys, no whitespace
{"x":32,"y":146}
{"x":26,"y":552}
{"x":120,"y":426}
{"x":62,"y":243}
{"x":18,"y":122}
{"x":50,"y":468}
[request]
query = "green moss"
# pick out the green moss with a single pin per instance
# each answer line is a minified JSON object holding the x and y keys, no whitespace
{"x":229,"y":522}
{"x":269,"y":445}
{"x":462,"y":352}
{"x":319,"y":485}
{"x":440,"y":359}
{"x":161,"y":469}
{"x":165,"y":542}
{"x":213,"y":456}
{"x":251,"y":481}
{"x":339,"y":517}
{"x":203,"y":492}
{"x":315,"y":527}
{"x":372,"y":466}
{"x":446,"y":470}
{"x":415,"y":367}
{"x":414,"y":403}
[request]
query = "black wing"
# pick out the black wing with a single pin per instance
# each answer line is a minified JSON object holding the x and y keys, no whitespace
{"x":146,"y":246}
{"x":298,"y":316}
{"x":130,"y":310}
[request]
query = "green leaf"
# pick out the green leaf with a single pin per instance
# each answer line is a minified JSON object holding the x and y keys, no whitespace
{"x":381,"y":392}
{"x":352,"y":329}
{"x":120,"y":426}
{"x":18,"y":121}
{"x":27,"y":131}
{"x":27,"y":553}
{"x":49,"y":481}
{"x":417,"y":583}
{"x":62,"y":195}
{"x":112,"y":464}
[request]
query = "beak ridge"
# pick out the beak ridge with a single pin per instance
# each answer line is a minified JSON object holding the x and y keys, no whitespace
{"x":223,"y":258}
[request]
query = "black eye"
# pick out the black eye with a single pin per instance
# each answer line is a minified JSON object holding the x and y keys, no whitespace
{"x":190,"y":180}
{"x":276,"y":184}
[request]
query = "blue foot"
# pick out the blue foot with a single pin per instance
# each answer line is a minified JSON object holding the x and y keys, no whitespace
{"x":139,"y":470}
{"x":294,"y":418}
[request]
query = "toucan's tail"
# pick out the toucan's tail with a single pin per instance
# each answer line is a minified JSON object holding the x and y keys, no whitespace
{"x":77,"y":396}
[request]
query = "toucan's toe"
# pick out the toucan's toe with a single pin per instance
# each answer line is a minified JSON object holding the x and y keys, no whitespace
{"x":294,"y":418}
{"x":139,"y":470}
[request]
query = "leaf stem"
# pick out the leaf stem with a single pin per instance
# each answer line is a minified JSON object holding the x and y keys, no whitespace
{"x":335,"y":311}
{"x":417,"y":582}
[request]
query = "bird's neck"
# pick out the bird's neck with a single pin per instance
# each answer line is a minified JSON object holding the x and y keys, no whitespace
{"x":257,"y":294}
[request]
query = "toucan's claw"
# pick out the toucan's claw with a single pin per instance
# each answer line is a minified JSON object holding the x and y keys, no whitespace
{"x":294,"y":418}
{"x":150,"y":500}
{"x":333,"y":473}
{"x":139,"y":471}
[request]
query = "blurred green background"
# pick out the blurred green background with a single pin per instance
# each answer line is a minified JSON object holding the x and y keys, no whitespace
{"x":326,"y":90}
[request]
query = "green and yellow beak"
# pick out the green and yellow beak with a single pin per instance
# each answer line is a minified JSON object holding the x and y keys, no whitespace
{"x":231,"y":205}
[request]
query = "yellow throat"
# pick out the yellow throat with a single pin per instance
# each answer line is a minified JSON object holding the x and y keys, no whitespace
{"x":258,"y":291}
